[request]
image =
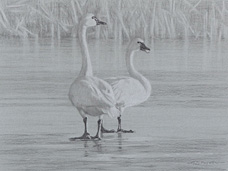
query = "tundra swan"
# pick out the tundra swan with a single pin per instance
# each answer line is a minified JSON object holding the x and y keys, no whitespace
{"x":91,"y":95}
{"x":133,"y":90}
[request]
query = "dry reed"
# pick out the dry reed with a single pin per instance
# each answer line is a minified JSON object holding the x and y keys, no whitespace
{"x":126,"y":18}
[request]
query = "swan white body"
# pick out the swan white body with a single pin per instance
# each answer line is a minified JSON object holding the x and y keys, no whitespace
{"x":93,"y":96}
{"x":133,"y":90}
{"x":129,"y":91}
{"x":90,"y":95}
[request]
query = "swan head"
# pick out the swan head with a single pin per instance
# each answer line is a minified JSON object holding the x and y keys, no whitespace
{"x":91,"y":20}
{"x":138,"y":44}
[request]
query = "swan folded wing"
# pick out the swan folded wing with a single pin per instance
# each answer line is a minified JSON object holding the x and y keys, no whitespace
{"x":127,"y":91}
{"x":106,"y":91}
{"x":92,"y":92}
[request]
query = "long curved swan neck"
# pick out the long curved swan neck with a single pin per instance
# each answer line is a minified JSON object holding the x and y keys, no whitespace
{"x":86,"y":69}
{"x":134,"y":73}
{"x":130,"y":66}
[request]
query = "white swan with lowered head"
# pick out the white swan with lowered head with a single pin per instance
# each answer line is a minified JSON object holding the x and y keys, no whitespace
{"x":133,"y":90}
{"x":91,"y":95}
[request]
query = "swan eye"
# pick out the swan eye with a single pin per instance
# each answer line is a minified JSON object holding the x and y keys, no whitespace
{"x":139,"y":42}
{"x":95,"y":18}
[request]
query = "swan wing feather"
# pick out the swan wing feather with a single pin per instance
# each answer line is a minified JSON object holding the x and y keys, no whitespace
{"x":127,"y":90}
{"x":92,"y":91}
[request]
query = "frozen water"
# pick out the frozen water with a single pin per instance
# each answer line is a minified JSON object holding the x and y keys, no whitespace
{"x":183,"y":126}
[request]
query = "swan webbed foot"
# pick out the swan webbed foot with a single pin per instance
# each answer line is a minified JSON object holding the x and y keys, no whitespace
{"x":124,"y":131}
{"x":85,"y":136}
{"x":119,"y":129}
{"x":96,"y":137}
{"x":104,"y":130}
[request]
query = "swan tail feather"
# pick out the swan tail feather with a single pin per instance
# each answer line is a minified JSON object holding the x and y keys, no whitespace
{"x":113,"y":112}
{"x":120,"y":105}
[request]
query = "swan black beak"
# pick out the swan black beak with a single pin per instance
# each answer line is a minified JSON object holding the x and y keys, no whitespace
{"x":144,"y":48}
{"x":101,"y":22}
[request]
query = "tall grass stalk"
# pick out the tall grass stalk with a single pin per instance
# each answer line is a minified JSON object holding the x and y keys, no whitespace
{"x":126,"y":18}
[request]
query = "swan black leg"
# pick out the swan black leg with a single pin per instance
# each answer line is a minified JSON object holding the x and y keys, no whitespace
{"x":98,"y":135}
{"x":85,"y":136}
{"x":119,"y":129}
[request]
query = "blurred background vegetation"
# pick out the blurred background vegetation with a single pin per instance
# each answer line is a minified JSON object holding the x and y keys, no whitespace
{"x":165,"y":19}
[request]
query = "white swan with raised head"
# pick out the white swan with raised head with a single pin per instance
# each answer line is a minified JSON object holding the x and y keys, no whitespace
{"x":133,"y":90}
{"x":91,"y":95}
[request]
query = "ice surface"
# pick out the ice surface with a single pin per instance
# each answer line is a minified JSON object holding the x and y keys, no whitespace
{"x":183,"y":126}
